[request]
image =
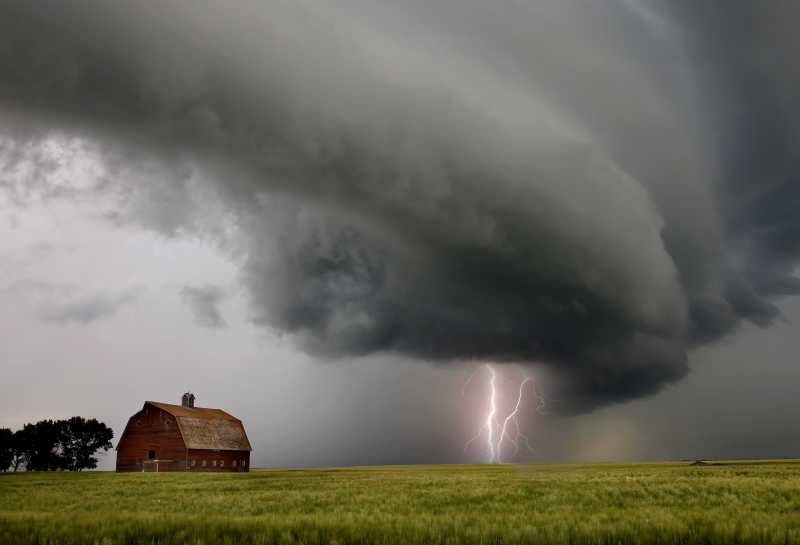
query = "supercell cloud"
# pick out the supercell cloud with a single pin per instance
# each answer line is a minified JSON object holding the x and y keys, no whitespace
{"x":597,"y":186}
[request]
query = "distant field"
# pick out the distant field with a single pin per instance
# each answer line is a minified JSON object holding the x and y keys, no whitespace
{"x":733,"y":502}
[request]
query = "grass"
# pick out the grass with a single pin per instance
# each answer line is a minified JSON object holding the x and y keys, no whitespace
{"x":655,"y":503}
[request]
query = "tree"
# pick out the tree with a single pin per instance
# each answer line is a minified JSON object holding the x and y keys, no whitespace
{"x":39,"y":445}
{"x":51,"y":445}
{"x":6,"y":448}
{"x":17,"y":444}
{"x":80,"y":439}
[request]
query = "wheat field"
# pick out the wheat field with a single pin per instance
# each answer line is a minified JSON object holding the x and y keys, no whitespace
{"x":603,"y":503}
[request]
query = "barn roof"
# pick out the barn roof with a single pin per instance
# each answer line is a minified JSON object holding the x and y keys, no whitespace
{"x":204,"y":428}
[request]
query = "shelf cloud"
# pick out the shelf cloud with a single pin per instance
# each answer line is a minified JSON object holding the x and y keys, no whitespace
{"x":593,"y":186}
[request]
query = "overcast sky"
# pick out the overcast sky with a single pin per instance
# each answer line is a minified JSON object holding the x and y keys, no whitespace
{"x":324,"y":217}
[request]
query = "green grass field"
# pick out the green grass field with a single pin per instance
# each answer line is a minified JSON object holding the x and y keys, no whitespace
{"x":734,"y":502}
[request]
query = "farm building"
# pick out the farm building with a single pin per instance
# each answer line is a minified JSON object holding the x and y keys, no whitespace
{"x":165,"y":437}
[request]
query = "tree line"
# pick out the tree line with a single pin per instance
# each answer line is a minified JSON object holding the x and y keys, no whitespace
{"x":54,"y":445}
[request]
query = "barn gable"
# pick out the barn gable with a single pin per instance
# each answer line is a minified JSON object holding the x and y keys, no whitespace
{"x":151,"y":434}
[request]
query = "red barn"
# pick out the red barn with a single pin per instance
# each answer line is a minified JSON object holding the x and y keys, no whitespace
{"x":164,"y":437}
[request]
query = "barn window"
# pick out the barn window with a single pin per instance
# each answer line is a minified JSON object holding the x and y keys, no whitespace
{"x":194,"y":462}
{"x":151,"y":454}
{"x":214,"y":463}
{"x":234,"y":463}
{"x":138,"y":422}
{"x":204,"y":463}
{"x":244,"y":463}
{"x":222,"y":463}
{"x":168,"y":422}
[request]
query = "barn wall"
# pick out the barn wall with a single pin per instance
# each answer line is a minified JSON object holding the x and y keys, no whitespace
{"x":219,"y":461}
{"x":151,"y":429}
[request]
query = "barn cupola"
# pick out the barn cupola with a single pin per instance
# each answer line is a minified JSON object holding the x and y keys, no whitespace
{"x":187,"y":400}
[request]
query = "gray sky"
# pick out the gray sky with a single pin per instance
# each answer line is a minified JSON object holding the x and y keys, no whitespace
{"x":323,"y":217}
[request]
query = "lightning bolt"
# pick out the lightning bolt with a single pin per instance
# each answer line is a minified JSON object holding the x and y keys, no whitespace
{"x":490,"y":420}
{"x":512,"y":417}
{"x":497,"y":435}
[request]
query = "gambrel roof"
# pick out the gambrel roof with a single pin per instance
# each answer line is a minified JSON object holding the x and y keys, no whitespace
{"x":203,"y":428}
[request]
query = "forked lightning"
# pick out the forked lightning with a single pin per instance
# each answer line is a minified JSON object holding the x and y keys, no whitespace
{"x":510,"y":432}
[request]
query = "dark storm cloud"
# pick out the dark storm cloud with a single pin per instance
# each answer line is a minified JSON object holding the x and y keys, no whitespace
{"x":204,"y":302}
{"x":594,"y":185}
{"x":756,"y":81}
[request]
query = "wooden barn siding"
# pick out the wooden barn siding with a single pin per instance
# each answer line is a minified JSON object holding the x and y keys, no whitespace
{"x":226,"y":456}
{"x":153,"y":434}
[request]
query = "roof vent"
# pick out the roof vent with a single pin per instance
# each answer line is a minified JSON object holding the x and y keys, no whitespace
{"x":187,"y":400}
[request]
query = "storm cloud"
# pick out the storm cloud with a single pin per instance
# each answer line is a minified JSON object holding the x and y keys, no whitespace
{"x":204,"y":303}
{"x":595,"y":186}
